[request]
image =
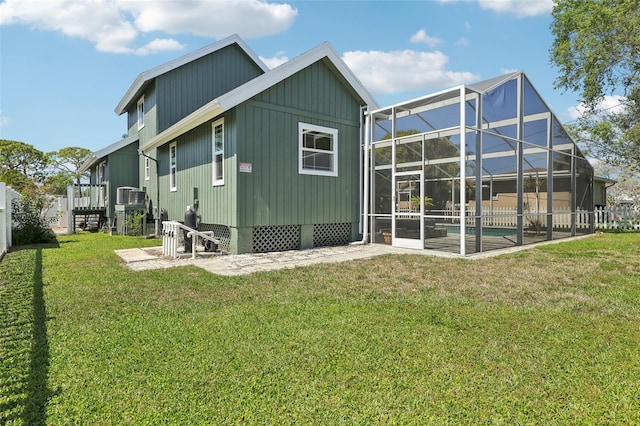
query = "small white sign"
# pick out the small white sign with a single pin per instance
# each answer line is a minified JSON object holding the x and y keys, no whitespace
{"x":246,"y":167}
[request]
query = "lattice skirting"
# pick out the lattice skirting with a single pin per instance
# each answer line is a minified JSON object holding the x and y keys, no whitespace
{"x":331,"y":234}
{"x":276,"y":238}
{"x":222,"y":232}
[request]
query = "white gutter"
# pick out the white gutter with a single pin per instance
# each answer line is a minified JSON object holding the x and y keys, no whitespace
{"x":365,"y":176}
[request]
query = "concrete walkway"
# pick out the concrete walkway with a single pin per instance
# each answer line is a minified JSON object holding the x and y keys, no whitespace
{"x":142,"y":259}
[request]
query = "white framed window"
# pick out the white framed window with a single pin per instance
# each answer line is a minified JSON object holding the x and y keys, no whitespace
{"x":102,"y":172}
{"x":173,"y":167}
{"x":147,"y":168}
{"x":141,"y":113}
{"x":318,"y":150}
{"x":218,"y":152}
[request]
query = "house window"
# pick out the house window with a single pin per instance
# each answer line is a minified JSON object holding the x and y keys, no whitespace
{"x":147,"y":168}
{"x":102,"y":172}
{"x":173,"y":168}
{"x":218,"y":152}
{"x":318,"y":153}
{"x":141,"y":113}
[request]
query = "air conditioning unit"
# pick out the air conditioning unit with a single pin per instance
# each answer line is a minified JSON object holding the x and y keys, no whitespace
{"x":137,"y":197}
{"x":122,"y":196}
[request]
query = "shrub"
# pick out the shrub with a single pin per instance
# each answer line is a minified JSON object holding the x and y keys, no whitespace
{"x":30,"y":226}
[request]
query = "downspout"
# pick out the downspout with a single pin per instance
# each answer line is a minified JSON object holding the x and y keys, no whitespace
{"x":365,"y":177}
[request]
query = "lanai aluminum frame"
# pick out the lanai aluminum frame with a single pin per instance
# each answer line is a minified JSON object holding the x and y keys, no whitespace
{"x":474,"y":168}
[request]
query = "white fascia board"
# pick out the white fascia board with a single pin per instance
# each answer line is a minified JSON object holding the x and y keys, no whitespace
{"x":253,"y":87}
{"x":196,"y":118}
{"x":101,"y":153}
{"x":145,"y":76}
{"x":349,"y":75}
{"x":87,"y":163}
{"x":297,"y":64}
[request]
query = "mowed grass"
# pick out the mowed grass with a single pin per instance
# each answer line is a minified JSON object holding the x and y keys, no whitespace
{"x":550,"y":335}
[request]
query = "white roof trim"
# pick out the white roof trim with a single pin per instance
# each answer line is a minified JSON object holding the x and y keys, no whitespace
{"x":145,"y":76}
{"x":257,"y":85}
{"x":101,"y":153}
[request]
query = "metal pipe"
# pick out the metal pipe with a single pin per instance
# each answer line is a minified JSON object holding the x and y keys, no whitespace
{"x":365,"y":184}
{"x":158,"y":219}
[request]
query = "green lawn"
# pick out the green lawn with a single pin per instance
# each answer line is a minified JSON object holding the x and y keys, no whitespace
{"x":550,"y":335}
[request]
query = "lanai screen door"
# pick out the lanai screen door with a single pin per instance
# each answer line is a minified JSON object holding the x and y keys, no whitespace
{"x":408,"y":210}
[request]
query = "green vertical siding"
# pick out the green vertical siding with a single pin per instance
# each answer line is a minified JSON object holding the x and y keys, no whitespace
{"x":275,"y":193}
{"x":122,"y":170}
{"x":150,"y":128}
{"x":264,"y":132}
{"x":217,"y":204}
{"x":187,"y":88}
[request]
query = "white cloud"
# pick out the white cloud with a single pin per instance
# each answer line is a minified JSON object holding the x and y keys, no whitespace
{"x":519,"y":8}
{"x":277,"y":60}
{"x":159,"y":45}
{"x":505,"y":71}
{"x":462,"y":41}
{"x":117,"y":25}
{"x":406,"y":70}
{"x":422,"y":37}
{"x":612,"y":104}
{"x":220,"y":18}
{"x":4,"y":120}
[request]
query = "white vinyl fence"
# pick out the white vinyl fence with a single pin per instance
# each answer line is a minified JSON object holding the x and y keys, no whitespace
{"x":622,"y":217}
{"x":6,"y":196}
{"x":603,"y":217}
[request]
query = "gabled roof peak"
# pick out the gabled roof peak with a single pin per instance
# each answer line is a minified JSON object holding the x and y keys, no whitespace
{"x":144,"y":77}
{"x":251,"y":88}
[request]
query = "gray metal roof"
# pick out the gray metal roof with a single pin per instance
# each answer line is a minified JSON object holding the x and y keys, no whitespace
{"x":259,"y":84}
{"x":146,"y":76}
{"x":100,"y":154}
{"x":486,"y":85}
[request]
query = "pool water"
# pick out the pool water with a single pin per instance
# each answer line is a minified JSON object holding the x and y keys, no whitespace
{"x":489,"y":231}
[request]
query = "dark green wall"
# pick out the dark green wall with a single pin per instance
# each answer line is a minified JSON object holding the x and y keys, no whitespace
{"x":187,"y":88}
{"x":275,"y":193}
{"x":263,"y":132}
{"x":194,"y":155}
{"x":121,"y":170}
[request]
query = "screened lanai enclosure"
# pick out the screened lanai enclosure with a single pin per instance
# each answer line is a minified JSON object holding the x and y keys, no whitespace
{"x":475,"y":168}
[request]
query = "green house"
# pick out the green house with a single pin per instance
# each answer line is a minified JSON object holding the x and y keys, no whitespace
{"x":113,"y":167}
{"x":301,"y":156}
{"x":270,"y":159}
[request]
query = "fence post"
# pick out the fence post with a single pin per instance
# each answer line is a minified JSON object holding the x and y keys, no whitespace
{"x":5,"y":220}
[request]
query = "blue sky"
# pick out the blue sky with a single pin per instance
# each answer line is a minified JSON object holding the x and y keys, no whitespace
{"x":65,"y":64}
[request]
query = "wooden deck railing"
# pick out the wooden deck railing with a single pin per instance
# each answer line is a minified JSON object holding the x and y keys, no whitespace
{"x":87,"y":197}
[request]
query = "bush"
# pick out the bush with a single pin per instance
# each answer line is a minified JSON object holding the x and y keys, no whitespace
{"x":29,"y":224}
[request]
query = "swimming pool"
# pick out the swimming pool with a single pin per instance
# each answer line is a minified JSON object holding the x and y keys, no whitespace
{"x":489,"y":231}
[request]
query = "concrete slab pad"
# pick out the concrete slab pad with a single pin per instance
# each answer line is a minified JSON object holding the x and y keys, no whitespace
{"x":135,"y":255}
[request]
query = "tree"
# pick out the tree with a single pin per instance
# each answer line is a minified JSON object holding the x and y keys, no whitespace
{"x":57,"y":184}
{"x":69,"y":160}
{"x":627,"y":186}
{"x":597,"y":49}
{"x":19,"y":157}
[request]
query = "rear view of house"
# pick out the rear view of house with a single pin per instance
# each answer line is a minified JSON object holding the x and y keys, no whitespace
{"x":302,"y":156}
{"x":269,"y":159}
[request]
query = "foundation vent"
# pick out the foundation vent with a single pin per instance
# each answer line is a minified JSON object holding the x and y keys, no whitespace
{"x":276,"y":238}
{"x":222,"y":232}
{"x":331,"y":234}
